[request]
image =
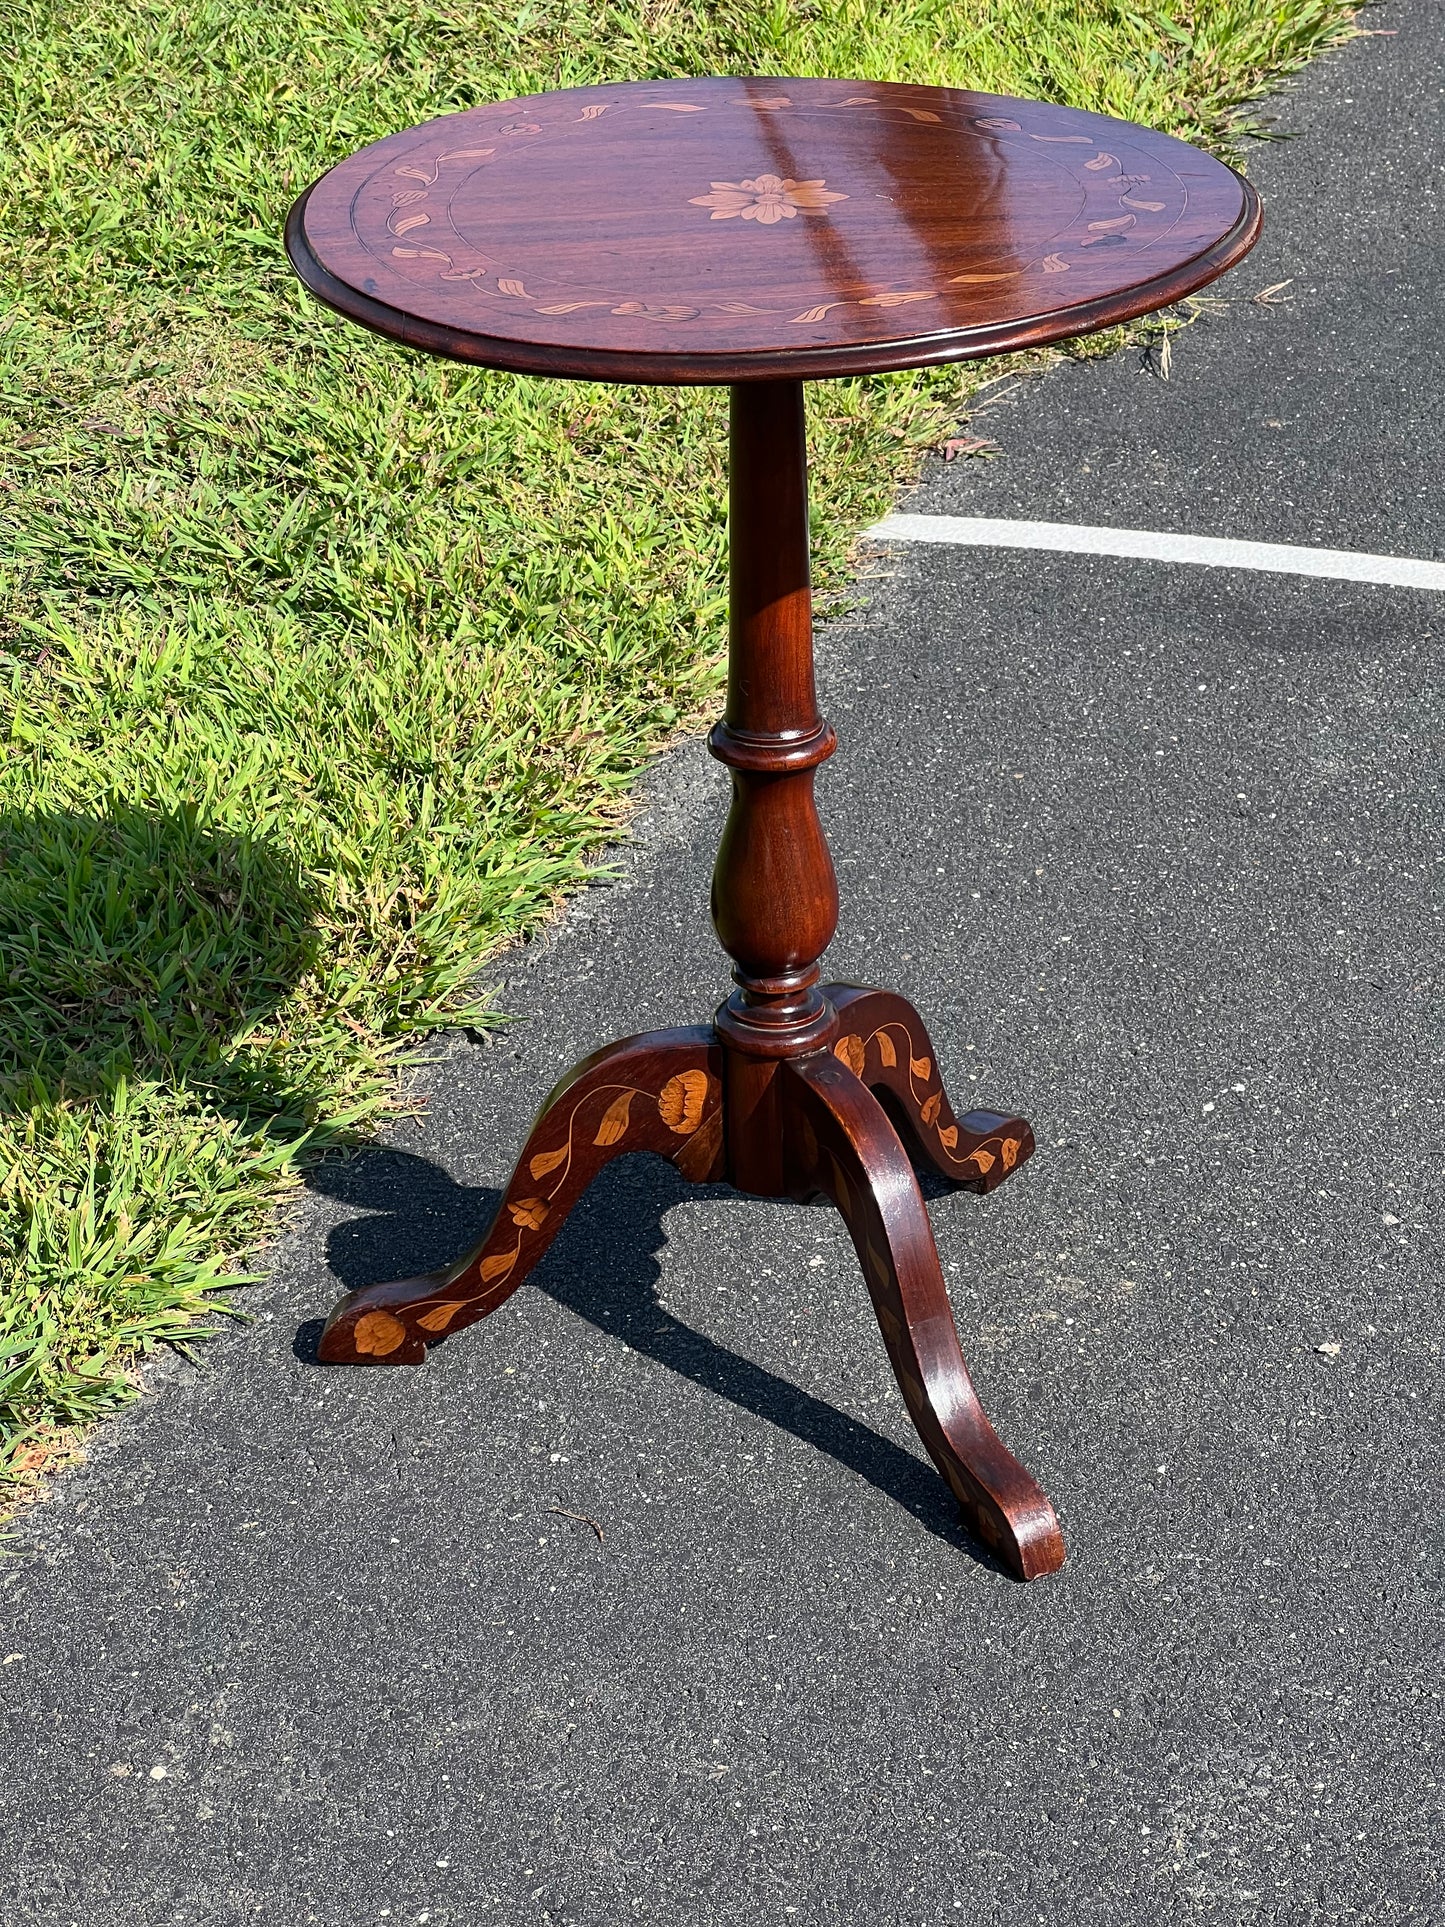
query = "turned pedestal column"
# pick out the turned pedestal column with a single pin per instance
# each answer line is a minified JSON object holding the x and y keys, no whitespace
{"x":774,"y":894}
{"x":759,"y":233}
{"x":785,"y":1093}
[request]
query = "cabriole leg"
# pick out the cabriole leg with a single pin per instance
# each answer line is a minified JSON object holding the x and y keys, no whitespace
{"x":658,"y":1092}
{"x":845,"y":1148}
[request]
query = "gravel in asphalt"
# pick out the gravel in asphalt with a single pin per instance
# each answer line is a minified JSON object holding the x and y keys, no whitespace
{"x":1156,"y":851}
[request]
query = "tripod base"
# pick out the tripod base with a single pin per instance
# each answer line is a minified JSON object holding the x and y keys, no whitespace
{"x":665,"y":1092}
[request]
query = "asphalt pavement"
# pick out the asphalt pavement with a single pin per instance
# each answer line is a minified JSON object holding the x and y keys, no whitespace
{"x":640,"y":1601}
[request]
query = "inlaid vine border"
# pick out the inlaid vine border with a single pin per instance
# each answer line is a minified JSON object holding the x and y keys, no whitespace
{"x":852,"y":1049}
{"x":408,"y":213}
{"x":688,"y":1104}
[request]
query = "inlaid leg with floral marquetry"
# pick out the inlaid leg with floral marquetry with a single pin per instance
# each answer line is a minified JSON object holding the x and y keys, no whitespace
{"x":884,"y":1042}
{"x":843,"y":1145}
{"x":658,"y":1092}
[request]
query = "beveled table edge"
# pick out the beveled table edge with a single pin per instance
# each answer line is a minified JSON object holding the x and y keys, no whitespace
{"x":674,"y":368}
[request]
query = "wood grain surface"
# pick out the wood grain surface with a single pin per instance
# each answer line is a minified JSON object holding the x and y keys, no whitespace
{"x":729,"y":230}
{"x":781,"y":1095}
{"x":844,"y":1148}
{"x":883,"y":1041}
{"x":659,"y":1092}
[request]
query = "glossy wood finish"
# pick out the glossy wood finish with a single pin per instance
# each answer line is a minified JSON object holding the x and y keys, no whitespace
{"x":775,"y":1096}
{"x":738,"y":230}
{"x":664,"y":1093}
{"x":659,"y":1092}
{"x":883,"y":1041}
{"x":844,"y":1147}
{"x":756,"y":232}
{"x":774,"y":893}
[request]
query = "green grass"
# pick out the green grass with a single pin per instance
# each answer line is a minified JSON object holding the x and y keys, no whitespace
{"x":326,"y":668}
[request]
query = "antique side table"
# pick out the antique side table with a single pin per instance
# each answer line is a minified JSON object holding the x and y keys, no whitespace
{"x":762,"y":233}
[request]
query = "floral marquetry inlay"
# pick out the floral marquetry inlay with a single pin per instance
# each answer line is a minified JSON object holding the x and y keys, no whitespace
{"x":767,"y":199}
{"x":578,"y":221}
{"x":604,"y":1116}
{"x":888,"y":1048}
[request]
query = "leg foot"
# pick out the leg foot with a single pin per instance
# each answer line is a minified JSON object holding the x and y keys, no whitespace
{"x":844,"y":1146}
{"x":659,"y":1092}
{"x":884,"y":1043}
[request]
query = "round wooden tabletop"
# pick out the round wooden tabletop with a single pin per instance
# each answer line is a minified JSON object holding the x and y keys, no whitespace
{"x":727,"y":230}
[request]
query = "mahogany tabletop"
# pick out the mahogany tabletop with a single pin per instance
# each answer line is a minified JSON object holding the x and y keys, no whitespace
{"x":725,"y":230}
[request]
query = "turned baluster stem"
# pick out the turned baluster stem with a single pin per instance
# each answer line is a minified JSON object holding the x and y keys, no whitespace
{"x":774,"y":895}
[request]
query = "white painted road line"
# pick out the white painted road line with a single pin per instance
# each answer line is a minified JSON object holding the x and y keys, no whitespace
{"x":1210,"y":551}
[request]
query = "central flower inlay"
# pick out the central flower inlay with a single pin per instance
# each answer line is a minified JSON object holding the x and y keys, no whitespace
{"x":766,"y":200}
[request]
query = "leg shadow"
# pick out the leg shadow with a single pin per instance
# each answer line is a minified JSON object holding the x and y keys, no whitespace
{"x":604,"y":1268}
